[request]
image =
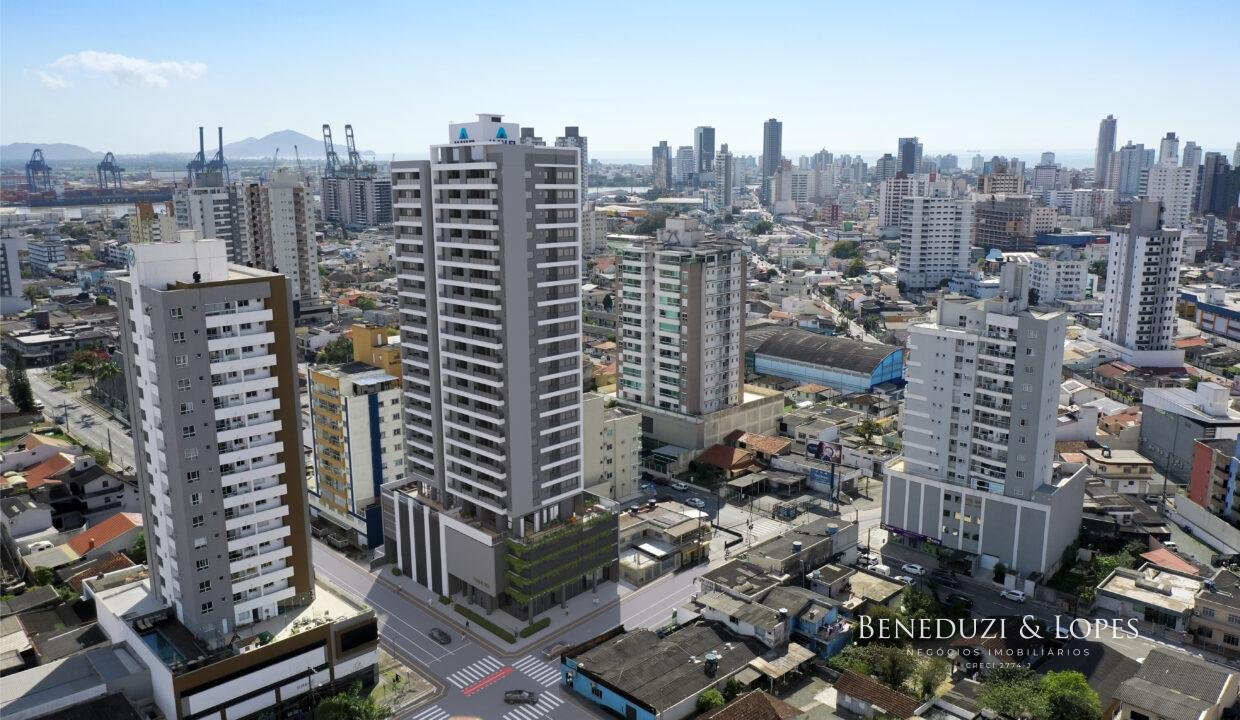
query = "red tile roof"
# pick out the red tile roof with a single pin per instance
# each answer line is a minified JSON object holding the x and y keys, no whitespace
{"x":757,"y":705}
{"x":105,"y":564}
{"x":726,"y":458}
{"x":765,"y":444}
{"x":1164,"y":558}
{"x":1192,"y":342}
{"x":39,"y":474}
{"x":105,"y":532}
{"x":892,"y":702}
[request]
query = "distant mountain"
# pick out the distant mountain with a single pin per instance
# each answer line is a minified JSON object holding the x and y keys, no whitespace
{"x":19,"y":152}
{"x":265,"y":146}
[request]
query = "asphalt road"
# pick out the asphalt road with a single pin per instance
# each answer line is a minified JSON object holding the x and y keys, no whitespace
{"x":85,"y":422}
{"x":472,"y":676}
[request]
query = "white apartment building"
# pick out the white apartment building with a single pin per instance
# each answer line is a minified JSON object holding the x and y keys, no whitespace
{"x":358,"y":201}
{"x":489,"y":271}
{"x":725,"y":177}
{"x":1174,"y":186}
{"x":612,"y":438}
{"x":891,"y":194}
{"x":979,"y":436}
{"x":593,"y":230}
{"x":936,"y":233}
{"x":572,"y":137}
{"x":1143,"y":273}
{"x":213,"y":210}
{"x":279,"y":220}
{"x":1059,"y":280}
{"x":217,"y":433}
{"x":1098,"y":203}
{"x":682,"y":310}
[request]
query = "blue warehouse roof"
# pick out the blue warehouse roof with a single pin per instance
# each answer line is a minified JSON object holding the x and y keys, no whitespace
{"x":799,"y":345}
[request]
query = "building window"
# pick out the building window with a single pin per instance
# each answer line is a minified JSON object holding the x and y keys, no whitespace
{"x":202,"y":564}
{"x":187,"y":408}
{"x":192,"y":476}
{"x":188,"y":432}
{"x":1206,"y":612}
{"x":175,"y":313}
{"x":1232,"y":640}
{"x":182,"y":360}
{"x":595,"y":691}
{"x":178,"y":337}
{"x":207,"y":607}
{"x":191,"y":453}
{"x":204,"y":586}
{"x":182,"y":384}
{"x":1233,"y":619}
{"x":198,"y":521}
{"x":195,"y":499}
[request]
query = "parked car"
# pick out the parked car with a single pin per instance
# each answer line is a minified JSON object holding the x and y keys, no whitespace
{"x":881,"y":569}
{"x":913,"y":569}
{"x":1013,"y":595}
{"x":439,"y":636}
{"x":518,"y":697}
{"x":698,"y":503}
{"x":40,"y":545}
{"x":963,"y":601}
{"x":679,"y":486}
{"x":904,"y":579}
{"x":1171,"y":545}
{"x":945,"y":578}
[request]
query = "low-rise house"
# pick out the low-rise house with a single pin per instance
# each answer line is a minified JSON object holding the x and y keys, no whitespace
{"x":115,"y":534}
{"x":1124,"y":471}
{"x":868,"y":698}
{"x":1215,"y":623}
{"x":1155,"y":596}
{"x":23,"y":516}
{"x":1174,"y":685}
{"x":755,"y":705}
{"x":656,"y":539}
{"x":637,"y":674}
{"x":804,"y":547}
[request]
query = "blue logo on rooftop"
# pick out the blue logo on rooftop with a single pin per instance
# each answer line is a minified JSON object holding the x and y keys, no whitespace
{"x":502,"y":134}
{"x":463,"y":136}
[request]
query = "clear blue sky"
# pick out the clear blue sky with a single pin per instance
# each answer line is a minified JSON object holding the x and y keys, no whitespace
{"x":848,"y":76}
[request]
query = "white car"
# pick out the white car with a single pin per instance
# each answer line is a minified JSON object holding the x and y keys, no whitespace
{"x":1013,"y":595}
{"x":679,"y":486}
{"x":881,"y":570}
{"x":904,"y":579}
{"x":913,"y":569}
{"x":698,"y":503}
{"x":1171,"y":545}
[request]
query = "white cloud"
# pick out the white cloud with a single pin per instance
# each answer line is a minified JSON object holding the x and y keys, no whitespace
{"x":121,"y":69}
{"x":49,"y":80}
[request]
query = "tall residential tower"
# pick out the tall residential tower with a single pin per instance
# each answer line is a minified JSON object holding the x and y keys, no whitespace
{"x":489,"y":261}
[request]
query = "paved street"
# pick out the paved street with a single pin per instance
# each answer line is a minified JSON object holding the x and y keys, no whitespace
{"x":85,"y":421}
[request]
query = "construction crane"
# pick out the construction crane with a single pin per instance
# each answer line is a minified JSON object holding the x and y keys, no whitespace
{"x":199,"y":162}
{"x":109,"y":173}
{"x":275,"y":159}
{"x":333,"y":160}
{"x":355,"y":159}
{"x":217,"y":164}
{"x":301,"y":172}
{"x":38,"y":173}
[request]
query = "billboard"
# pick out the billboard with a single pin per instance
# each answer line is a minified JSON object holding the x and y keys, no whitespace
{"x":826,"y":451}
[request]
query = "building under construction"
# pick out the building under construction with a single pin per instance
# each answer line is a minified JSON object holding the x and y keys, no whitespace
{"x":354,"y":194}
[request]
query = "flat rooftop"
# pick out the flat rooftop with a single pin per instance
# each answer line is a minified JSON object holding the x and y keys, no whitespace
{"x":1150,"y":586}
{"x":664,"y":672}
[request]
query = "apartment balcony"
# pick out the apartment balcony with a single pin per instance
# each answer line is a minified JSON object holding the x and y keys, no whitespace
{"x":252,"y":558}
{"x":254,"y":538}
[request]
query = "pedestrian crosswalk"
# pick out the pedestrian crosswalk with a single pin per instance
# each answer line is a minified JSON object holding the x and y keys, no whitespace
{"x":546,"y":703}
{"x":474,"y":672}
{"x":542,"y":672}
{"x":766,"y":527}
{"x":433,"y":712}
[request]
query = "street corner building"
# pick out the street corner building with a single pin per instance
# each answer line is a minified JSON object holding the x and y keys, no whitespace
{"x":229,"y":620}
{"x":492,"y":507}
